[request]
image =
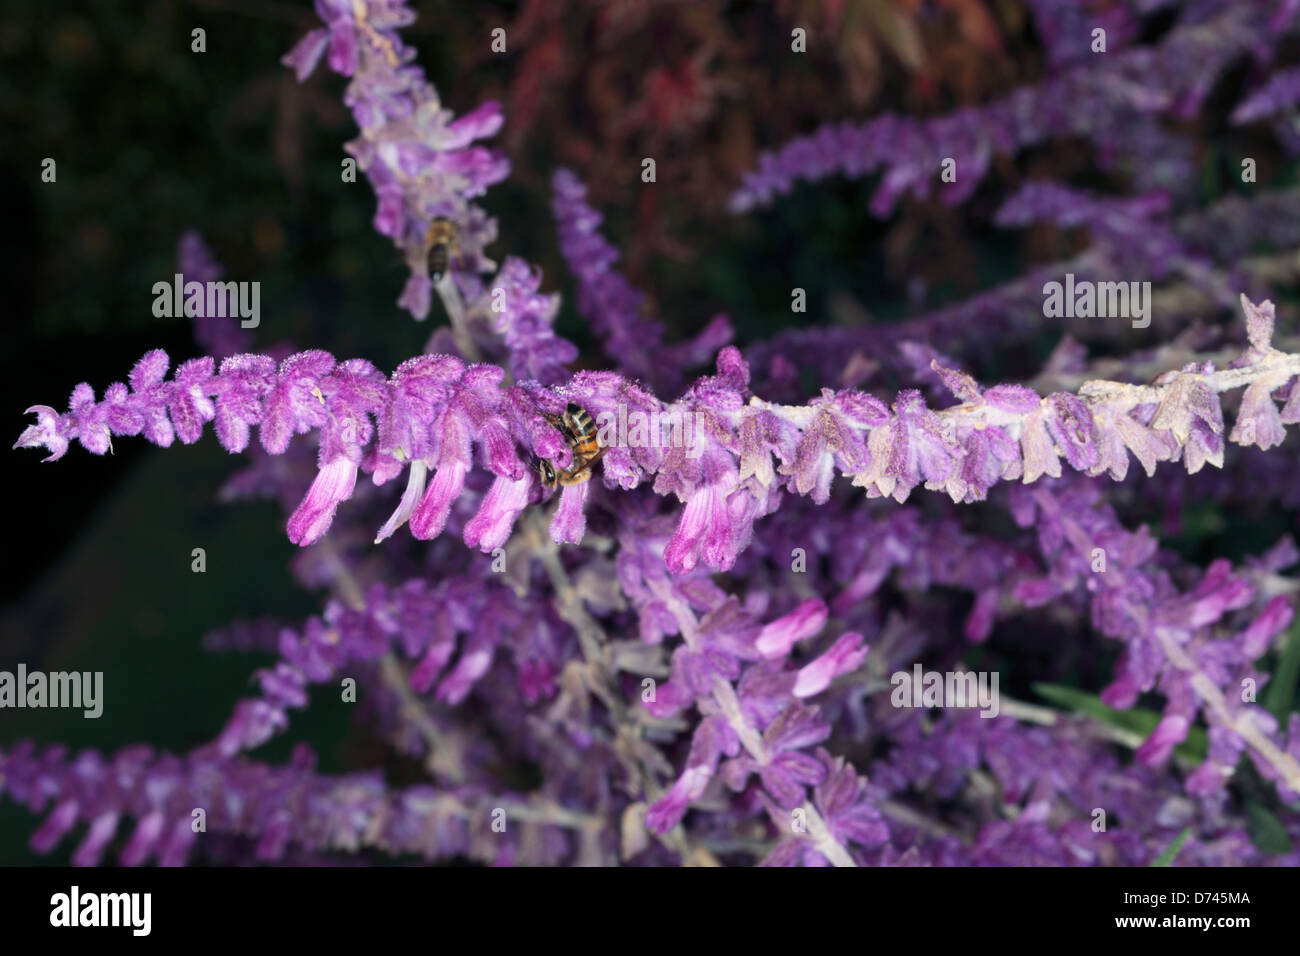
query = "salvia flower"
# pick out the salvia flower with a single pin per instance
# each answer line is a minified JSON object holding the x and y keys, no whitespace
{"x":434,"y":409}
{"x":1173,"y":77}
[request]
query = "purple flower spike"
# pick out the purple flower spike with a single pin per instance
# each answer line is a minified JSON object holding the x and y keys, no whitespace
{"x":422,"y":163}
{"x":727,"y":455}
{"x":617,"y":311}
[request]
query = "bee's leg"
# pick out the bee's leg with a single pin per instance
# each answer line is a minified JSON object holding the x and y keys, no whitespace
{"x":575,"y":478}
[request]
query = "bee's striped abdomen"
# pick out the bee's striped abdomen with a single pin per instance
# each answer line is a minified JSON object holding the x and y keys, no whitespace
{"x":582,"y":431}
{"x":441,"y":240}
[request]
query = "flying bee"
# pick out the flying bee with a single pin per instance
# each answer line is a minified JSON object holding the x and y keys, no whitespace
{"x":579,"y":431}
{"x":441,"y":240}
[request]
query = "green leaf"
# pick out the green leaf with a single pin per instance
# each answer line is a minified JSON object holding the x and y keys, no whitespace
{"x":1266,"y":830}
{"x":1281,"y":688}
{"x":1171,"y":851}
{"x":1136,"y":720}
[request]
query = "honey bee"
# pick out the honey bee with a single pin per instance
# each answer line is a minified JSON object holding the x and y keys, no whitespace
{"x":441,"y":240}
{"x":579,"y":432}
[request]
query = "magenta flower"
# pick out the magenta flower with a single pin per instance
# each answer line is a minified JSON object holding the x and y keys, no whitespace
{"x":705,"y":529}
{"x":334,"y":483}
{"x":1170,"y":732}
{"x":779,"y":637}
{"x":430,"y":515}
{"x":844,"y":656}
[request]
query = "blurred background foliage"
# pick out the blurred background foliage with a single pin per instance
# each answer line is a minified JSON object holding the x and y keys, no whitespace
{"x":151,"y":138}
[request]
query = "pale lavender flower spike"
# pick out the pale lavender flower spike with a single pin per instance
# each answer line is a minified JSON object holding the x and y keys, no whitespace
{"x":421,"y":162}
{"x":429,"y":416}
